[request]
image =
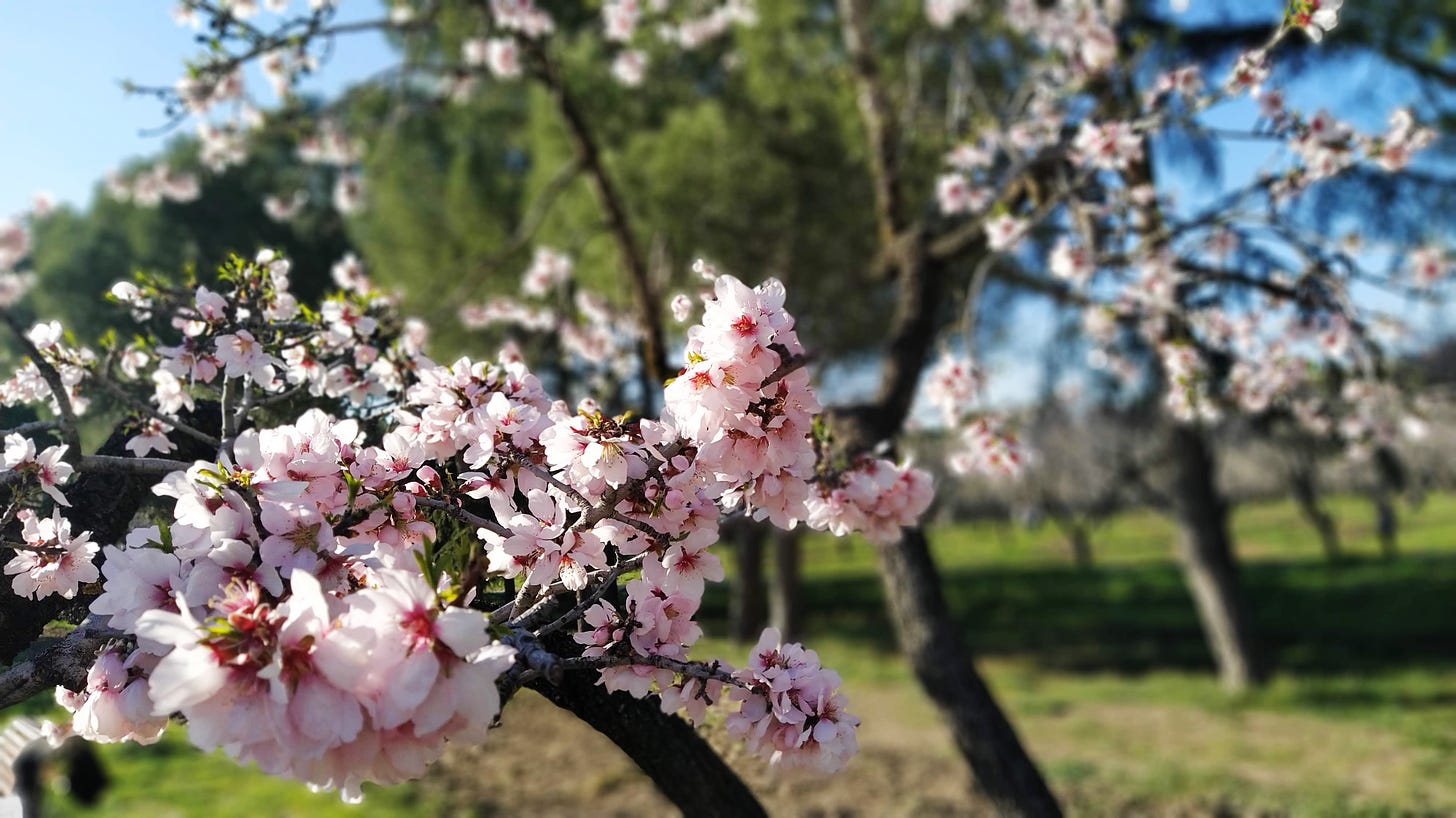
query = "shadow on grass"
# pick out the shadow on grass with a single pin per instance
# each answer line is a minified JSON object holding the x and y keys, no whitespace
{"x":1362,"y":616}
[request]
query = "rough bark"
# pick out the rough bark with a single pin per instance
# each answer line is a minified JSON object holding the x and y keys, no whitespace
{"x":667,"y":749}
{"x":1076,"y":527}
{"x":1387,"y":526}
{"x":1205,"y":552}
{"x":785,"y":604}
{"x":930,"y":637}
{"x":1004,"y":771}
{"x":928,"y":633}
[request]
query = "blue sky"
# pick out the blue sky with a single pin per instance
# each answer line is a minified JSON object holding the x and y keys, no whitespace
{"x":64,"y":120}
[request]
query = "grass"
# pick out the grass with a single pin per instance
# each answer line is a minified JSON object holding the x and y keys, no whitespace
{"x":1104,"y":673}
{"x":172,"y":780}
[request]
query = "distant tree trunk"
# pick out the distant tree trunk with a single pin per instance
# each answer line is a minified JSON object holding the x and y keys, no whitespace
{"x":928,"y":633}
{"x":1391,"y":481}
{"x":747,"y":606}
{"x":1081,"y":541}
{"x":1075,"y":527}
{"x":1387,"y":526}
{"x":785,"y":604}
{"x":1306,"y":494}
{"x":1206,"y":554}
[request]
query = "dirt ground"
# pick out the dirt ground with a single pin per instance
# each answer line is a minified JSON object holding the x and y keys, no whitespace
{"x":1106,"y":759}
{"x":900,"y":771}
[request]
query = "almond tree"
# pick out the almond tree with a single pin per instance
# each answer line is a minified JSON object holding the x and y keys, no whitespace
{"x":331,"y":574}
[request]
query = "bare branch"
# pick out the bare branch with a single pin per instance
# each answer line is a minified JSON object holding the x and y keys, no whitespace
{"x":65,"y":663}
{"x":878,"y":116}
{"x":464,"y":516}
{"x":589,"y":153}
{"x":111,"y":464}
{"x":607,"y":583}
{"x":697,"y":670}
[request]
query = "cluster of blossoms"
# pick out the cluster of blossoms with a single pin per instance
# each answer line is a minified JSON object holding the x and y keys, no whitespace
{"x":1078,"y":32}
{"x":1187,"y":397}
{"x":353,"y":348}
{"x":48,"y":468}
{"x":288,"y":622}
{"x":1137,"y":265}
{"x":500,"y":55}
{"x":70,"y":364}
{"x":987,"y":449}
{"x":623,"y":25}
{"x":316,"y":603}
{"x":1325,"y":146}
{"x":791,"y":707}
{"x":52,"y":560}
{"x":588,"y":330}
{"x":874,"y":497}
{"x":952,"y":386}
{"x":151,"y":186}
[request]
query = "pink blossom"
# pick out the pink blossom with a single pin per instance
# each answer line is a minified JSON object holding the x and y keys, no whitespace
{"x":630,"y":67}
{"x":1315,"y":16}
{"x":1004,"y":232}
{"x":48,"y":468}
{"x":53,"y":561}
{"x":791,"y":709}
{"x":152,"y":438}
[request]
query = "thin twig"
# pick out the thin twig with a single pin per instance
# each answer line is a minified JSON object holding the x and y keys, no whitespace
{"x":152,"y":412}
{"x":607,"y":583}
{"x":464,"y":516}
{"x":111,"y":464}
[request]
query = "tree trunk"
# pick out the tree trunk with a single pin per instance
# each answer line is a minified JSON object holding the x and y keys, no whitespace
{"x":926,"y":630}
{"x":682,"y":765}
{"x":1387,"y":526}
{"x":785,"y":605}
{"x":1306,"y":495}
{"x":1081,"y":542}
{"x":747,"y":605}
{"x":1003,"y":770}
{"x":1075,"y":527}
{"x":1391,"y":480}
{"x":1209,"y":568}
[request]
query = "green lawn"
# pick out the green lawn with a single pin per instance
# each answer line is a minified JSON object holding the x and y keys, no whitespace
{"x":1103,"y":671}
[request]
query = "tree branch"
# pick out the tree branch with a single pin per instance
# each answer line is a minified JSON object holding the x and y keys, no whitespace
{"x":65,"y":663}
{"x":878,"y":116}
{"x":588,"y":151}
